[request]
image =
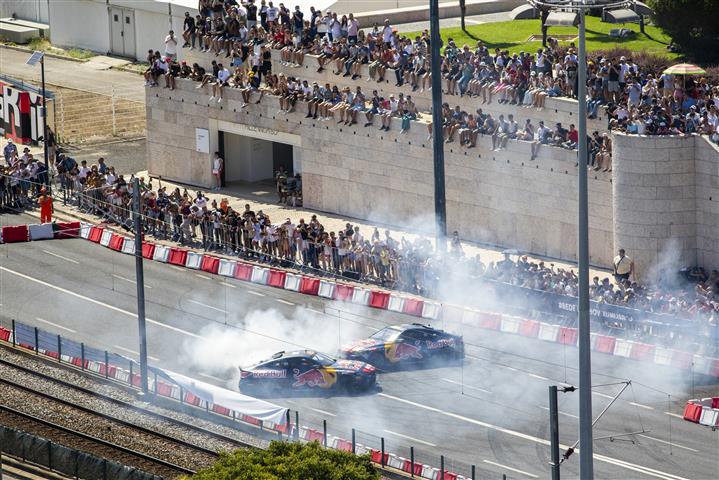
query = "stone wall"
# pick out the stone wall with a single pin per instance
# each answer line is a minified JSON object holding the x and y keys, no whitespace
{"x":500,"y":197}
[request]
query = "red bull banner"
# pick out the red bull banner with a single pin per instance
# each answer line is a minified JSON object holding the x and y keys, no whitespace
{"x":20,"y":113}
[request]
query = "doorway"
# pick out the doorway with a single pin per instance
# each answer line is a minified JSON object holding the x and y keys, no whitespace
{"x":122,"y":32}
{"x":254,"y":160}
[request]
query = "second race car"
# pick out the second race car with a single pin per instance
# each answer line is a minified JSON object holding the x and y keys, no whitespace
{"x":306,"y":370}
{"x":406,"y":344}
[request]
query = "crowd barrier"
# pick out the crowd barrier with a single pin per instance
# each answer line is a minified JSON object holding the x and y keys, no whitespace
{"x":119,"y":368}
{"x":703,"y":411}
{"x":39,"y":231}
{"x":399,"y":303}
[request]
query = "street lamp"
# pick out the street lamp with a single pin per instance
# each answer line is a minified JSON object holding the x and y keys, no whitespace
{"x":440,"y":206}
{"x":32,"y":61}
{"x":557,"y":16}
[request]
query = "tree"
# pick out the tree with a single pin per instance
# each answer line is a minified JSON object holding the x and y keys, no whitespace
{"x":693,"y":26}
{"x":290,"y":461}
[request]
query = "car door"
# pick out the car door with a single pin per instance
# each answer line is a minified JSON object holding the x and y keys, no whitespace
{"x":409,"y":348}
{"x":306,"y":373}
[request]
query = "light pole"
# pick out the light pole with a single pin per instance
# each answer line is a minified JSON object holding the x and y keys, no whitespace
{"x":440,"y":207}
{"x":140,"y":280}
{"x":32,"y":61}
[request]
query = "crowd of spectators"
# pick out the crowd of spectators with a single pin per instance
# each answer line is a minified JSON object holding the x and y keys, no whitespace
{"x":242,"y":34}
{"x":21,"y":177}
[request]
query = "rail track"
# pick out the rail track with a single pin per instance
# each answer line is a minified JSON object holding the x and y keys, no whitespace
{"x":106,"y":426}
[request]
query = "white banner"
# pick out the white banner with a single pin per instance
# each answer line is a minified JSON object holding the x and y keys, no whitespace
{"x":242,"y":404}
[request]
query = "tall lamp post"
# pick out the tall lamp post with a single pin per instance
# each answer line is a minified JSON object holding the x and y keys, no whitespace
{"x":564,"y":12}
{"x":32,"y":61}
{"x":440,"y":207}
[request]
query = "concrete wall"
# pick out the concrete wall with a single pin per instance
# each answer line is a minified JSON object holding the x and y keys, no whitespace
{"x":665,"y":200}
{"x":81,"y":24}
{"x":501,"y":197}
{"x":33,"y":10}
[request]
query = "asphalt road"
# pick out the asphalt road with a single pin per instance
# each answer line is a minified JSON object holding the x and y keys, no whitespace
{"x":490,"y":412}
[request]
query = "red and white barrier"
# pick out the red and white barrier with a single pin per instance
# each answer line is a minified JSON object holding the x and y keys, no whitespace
{"x":292,"y":282}
{"x":548,"y":333}
{"x":259,"y":275}
{"x":193,"y":260}
{"x":378,"y":299}
{"x":42,"y":231}
{"x":85,"y":230}
{"x":343,"y":292}
{"x":148,"y":250}
{"x":510,"y":324}
{"x":327,"y":289}
{"x":622,"y":348}
{"x":360,"y":296}
{"x":128,"y":246}
{"x":227,"y":268}
{"x":210,"y":264}
{"x":161,"y":254}
{"x":105,"y":238}
{"x":14,"y":234}
{"x":276,"y":278}
{"x":243,"y":271}
{"x":430,"y":310}
{"x":116,"y":242}
{"x":396,"y":303}
{"x":310,"y":285}
{"x":413,"y":306}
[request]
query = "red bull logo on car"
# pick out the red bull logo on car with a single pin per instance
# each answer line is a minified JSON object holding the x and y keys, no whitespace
{"x":316,"y":377}
{"x":396,"y":352}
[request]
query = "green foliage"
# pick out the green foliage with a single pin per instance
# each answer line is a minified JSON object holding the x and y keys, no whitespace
{"x":692,"y":24}
{"x":290,"y":461}
{"x":514,"y":35}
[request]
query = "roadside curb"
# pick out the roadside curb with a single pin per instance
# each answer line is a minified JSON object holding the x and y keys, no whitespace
{"x":47,"y":54}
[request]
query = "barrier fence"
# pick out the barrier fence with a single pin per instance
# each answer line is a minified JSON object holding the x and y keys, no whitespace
{"x":64,"y":460}
{"x":703,"y":411}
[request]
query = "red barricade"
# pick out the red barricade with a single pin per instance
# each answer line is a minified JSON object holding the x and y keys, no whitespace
{"x":95,"y":234}
{"x":568,"y":336}
{"x":191,"y":399}
{"x":490,"y":321}
{"x":136,"y":379}
{"x":605,"y":344}
{"x":413,"y":306}
{"x":310,"y":285}
{"x":379,"y":299}
{"x":715,"y":402}
{"x":221,"y":410}
{"x":344,"y":445}
{"x":116,"y":242}
{"x":164,"y":389}
{"x":4,"y":334}
{"x":692,"y":412}
{"x":67,"y":230}
{"x":376,"y":456}
{"x":148,"y":250}
{"x":276,"y":278}
{"x":314,"y":436}
{"x":251,"y":420}
{"x":177,"y":257}
{"x":529,"y":328}
{"x":15,"y":233}
{"x":343,"y":292}
{"x":642,"y":351}
{"x":450,"y":476}
{"x":243,"y":271}
{"x":210,"y":264}
{"x":407,"y":467}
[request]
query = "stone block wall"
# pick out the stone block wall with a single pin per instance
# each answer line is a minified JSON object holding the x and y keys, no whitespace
{"x":497,"y":197}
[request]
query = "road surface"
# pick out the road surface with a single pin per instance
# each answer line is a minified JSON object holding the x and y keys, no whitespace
{"x":490,"y":412}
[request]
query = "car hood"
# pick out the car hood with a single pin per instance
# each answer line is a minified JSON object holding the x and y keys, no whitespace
{"x":349,"y":366}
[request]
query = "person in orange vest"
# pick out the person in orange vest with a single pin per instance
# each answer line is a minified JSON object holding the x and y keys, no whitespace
{"x":46,"y":210}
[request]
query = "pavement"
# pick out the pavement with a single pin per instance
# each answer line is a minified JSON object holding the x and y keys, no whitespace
{"x":490,"y":411}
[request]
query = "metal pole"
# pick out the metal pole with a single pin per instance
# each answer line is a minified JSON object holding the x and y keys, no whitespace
{"x":411,"y":461}
{"x":140,"y":279}
{"x":440,"y":208}
{"x":354,"y":442}
{"x":586,"y":467}
{"x":44,"y":121}
{"x":554,"y":431}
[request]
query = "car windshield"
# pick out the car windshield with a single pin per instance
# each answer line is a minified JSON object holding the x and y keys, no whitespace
{"x":323,"y":359}
{"x":387,"y":334}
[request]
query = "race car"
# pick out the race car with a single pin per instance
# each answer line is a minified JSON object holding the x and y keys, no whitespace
{"x":306,"y":370}
{"x":406,"y":344}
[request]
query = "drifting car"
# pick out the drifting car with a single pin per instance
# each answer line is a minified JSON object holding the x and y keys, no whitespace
{"x":306,"y":370}
{"x":407,"y":344}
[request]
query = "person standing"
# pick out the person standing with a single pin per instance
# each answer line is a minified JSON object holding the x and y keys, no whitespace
{"x":171,"y":46}
{"x":46,"y":209}
{"x":623,"y":267}
{"x":218,"y":165}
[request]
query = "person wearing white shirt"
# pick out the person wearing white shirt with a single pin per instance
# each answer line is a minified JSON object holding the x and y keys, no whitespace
{"x":171,"y":46}
{"x":223,"y":76}
{"x":387,"y":33}
{"x":335,"y":28}
{"x":272,"y":13}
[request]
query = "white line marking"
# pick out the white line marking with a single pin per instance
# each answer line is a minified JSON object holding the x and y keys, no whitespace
{"x":283,"y":301}
{"x":465,"y":386}
{"x":227,"y":285}
{"x":176,"y":267}
{"x":310,"y":309}
{"x":510,"y":468}
{"x":255,"y":293}
{"x":641,"y":406}
{"x":323,"y":412}
{"x":129,"y":280}
{"x":207,"y":306}
{"x":674,"y":415}
{"x":55,"y":325}
{"x":205,"y":277}
{"x":668,"y":443}
{"x":211,"y":377}
{"x":561,"y":413}
{"x":542,"y":441}
{"x":61,"y":257}
{"x":509,"y":368}
{"x":291,"y":402}
{"x":603,"y":395}
{"x":537,"y":376}
{"x":411,"y":438}
{"x":120,"y":347}
{"x":97,"y":302}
